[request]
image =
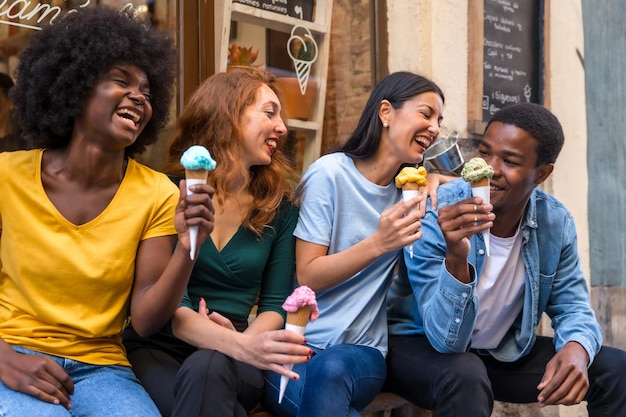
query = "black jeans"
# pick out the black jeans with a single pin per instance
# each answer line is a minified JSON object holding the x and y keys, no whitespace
{"x":467,"y":383}
{"x":187,"y":382}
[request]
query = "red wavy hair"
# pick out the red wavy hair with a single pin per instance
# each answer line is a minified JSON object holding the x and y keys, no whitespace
{"x":212,"y":118}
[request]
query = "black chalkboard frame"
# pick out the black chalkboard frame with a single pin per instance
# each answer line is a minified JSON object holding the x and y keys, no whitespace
{"x":477,"y":118}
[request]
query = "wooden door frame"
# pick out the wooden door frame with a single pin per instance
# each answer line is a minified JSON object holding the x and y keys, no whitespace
{"x":196,"y":43}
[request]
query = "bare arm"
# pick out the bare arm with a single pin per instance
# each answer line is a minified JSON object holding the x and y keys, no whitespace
{"x":263,"y":349}
{"x":319,"y":271}
{"x":160,"y":275}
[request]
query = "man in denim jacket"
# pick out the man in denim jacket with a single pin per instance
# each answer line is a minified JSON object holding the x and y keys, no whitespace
{"x":463,"y":322}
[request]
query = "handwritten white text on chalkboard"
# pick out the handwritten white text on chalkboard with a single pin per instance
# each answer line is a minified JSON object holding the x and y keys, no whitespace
{"x":28,"y":14}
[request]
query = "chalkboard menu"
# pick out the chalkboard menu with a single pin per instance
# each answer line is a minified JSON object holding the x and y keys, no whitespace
{"x":511,"y":54}
{"x":300,"y":9}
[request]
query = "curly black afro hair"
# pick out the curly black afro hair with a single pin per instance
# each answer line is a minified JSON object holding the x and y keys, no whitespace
{"x":64,"y":61}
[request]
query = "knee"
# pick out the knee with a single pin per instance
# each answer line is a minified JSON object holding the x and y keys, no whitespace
{"x":206,"y":366}
{"x":608,"y":367}
{"x":466,"y":372}
{"x":329,"y":368}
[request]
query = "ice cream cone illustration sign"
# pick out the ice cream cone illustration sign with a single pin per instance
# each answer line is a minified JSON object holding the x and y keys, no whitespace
{"x":301,"y":43}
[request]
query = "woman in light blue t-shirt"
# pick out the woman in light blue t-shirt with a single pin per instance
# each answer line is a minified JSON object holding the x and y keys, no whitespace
{"x":351,"y":229}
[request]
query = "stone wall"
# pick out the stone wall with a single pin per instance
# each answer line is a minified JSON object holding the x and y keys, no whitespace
{"x":350,"y":77}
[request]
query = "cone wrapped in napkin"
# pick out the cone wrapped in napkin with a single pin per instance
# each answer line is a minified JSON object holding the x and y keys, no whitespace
{"x":410,"y":179}
{"x":197,"y":162}
{"x":301,"y":307}
{"x":478,"y":173}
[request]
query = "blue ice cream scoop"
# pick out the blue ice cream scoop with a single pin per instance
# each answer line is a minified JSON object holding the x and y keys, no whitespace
{"x":196,"y":158}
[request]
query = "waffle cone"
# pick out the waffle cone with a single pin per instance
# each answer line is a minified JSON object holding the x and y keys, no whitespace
{"x":410,"y":186}
{"x":198,"y":174}
{"x":481,"y":182}
{"x":299,"y":317}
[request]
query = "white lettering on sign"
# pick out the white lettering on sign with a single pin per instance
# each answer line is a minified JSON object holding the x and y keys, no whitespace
{"x":30,"y":14}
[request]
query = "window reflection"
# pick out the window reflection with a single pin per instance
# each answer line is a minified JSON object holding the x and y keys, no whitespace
{"x":19,"y":19}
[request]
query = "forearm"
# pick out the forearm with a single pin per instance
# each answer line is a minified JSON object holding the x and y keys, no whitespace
{"x":153,"y":305}
{"x":269,"y":320}
{"x":327,"y":271}
{"x":203,"y":333}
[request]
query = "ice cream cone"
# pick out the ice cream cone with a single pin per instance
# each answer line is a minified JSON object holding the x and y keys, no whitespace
{"x":410,"y":179}
{"x":193,"y":177}
{"x":294,"y":328}
{"x":481,"y":182}
{"x":483,"y":191}
{"x":197,"y":162}
{"x":300,"y":317}
{"x":478,"y":173}
{"x":197,"y":174}
{"x":296,"y":322}
{"x":301,"y":307}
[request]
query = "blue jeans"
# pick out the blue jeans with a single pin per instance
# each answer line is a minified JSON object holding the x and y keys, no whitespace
{"x":107,"y":391}
{"x":337,"y":382}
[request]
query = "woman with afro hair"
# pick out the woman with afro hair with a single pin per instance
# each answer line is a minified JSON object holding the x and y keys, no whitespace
{"x":87,"y":234}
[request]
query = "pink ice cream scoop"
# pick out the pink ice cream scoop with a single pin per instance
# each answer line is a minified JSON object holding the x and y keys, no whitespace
{"x":301,"y":297}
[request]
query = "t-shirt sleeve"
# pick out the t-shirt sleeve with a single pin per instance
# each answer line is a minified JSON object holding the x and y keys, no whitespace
{"x":164,"y":208}
{"x":316,"y":206}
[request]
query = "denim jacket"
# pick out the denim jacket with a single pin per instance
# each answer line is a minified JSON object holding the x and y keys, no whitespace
{"x":425,"y":299}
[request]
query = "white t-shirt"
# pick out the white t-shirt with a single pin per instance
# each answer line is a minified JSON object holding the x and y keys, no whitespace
{"x":500,"y":291}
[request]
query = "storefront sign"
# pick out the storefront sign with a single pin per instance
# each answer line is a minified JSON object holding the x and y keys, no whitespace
{"x":300,"y":9}
{"x":28,"y":14}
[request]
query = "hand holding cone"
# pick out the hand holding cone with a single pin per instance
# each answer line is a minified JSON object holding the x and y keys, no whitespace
{"x":410,"y":179}
{"x":478,"y":173}
{"x":301,"y":307}
{"x":197,"y":162}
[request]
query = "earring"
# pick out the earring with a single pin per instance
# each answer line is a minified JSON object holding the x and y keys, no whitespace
{"x":385,"y":124}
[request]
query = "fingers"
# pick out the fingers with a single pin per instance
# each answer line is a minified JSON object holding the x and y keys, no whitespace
{"x":202,"y":308}
{"x":195,"y":209}
{"x":466,"y":217}
{"x":42,"y":378}
{"x":565,"y":380}
{"x":221,"y":320}
{"x":421,"y":206}
{"x":399,"y":225}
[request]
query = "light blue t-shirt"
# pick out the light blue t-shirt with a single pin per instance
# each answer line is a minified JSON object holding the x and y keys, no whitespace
{"x":339,"y":208}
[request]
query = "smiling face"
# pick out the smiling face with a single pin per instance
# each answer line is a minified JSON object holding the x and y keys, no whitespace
{"x":413,"y":127}
{"x":118,"y":107}
{"x":261,"y":127}
{"x":512,"y":153}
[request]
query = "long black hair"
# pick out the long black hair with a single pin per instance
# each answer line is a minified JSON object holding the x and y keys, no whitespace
{"x":397,"y":88}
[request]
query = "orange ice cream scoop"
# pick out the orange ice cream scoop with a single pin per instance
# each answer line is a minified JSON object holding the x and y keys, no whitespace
{"x":411,"y":178}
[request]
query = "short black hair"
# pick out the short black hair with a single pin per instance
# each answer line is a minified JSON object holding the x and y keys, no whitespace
{"x":540,"y":123}
{"x":64,"y":61}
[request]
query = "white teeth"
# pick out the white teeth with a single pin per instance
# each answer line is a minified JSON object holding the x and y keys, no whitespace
{"x":131,"y":115}
{"x":272,"y":143}
{"x":422,"y":142}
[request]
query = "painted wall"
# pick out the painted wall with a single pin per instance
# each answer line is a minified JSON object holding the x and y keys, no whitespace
{"x":431,"y":37}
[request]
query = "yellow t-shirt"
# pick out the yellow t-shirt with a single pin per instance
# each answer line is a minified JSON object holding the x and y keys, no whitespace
{"x":65,"y":289}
